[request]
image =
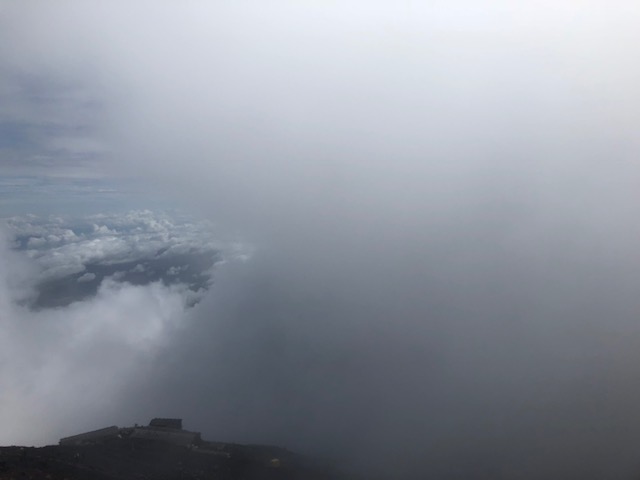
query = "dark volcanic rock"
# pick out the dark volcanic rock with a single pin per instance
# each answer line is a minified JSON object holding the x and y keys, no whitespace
{"x":136,"y":459}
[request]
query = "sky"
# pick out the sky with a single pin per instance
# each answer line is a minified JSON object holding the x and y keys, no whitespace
{"x":398,"y":235}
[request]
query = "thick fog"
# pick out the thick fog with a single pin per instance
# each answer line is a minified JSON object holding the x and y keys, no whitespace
{"x":442,"y":198}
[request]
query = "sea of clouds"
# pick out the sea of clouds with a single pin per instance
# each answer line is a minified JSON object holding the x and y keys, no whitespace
{"x":84,"y":301}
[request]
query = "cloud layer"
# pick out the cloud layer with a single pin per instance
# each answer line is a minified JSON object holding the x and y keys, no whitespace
{"x":442,"y":197}
{"x":63,"y":366}
{"x":137,"y":247}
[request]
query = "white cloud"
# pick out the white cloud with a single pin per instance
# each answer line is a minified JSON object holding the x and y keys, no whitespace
{"x":35,"y":242}
{"x":70,"y":363}
{"x":139,"y":268}
{"x":65,"y":246}
{"x":103,"y":230}
{"x":175,"y":270}
{"x":87,"y":277}
{"x":119,"y":275}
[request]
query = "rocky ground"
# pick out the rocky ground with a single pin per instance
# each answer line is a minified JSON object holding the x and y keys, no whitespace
{"x":136,"y":459}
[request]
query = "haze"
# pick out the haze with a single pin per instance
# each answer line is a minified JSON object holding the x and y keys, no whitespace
{"x":441,"y":200}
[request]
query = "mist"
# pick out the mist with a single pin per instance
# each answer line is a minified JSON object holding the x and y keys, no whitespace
{"x":442,"y":198}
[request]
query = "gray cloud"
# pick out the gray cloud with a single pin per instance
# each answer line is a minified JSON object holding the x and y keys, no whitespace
{"x":441,"y":199}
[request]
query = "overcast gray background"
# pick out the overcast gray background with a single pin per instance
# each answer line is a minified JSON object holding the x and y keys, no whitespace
{"x":443,"y":201}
